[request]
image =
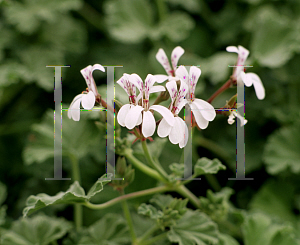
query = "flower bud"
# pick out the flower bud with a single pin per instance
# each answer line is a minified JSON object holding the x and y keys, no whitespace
{"x":121,"y":166}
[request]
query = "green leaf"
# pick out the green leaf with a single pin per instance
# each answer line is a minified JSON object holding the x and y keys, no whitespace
{"x":206,"y":166}
{"x":216,"y":205}
{"x":128,"y":21}
{"x":30,"y":14}
{"x":40,"y":230}
{"x":79,"y":139}
{"x":273,"y":37}
{"x":111,"y":229}
{"x":227,"y":240}
{"x":177,"y":26}
{"x":275,"y":198}
{"x":177,"y":169}
{"x":75,"y":194}
{"x":192,"y":6}
{"x":2,"y":215}
{"x":260,"y":229}
{"x":194,"y":228}
{"x":282,"y":150}
{"x":150,"y":211}
{"x":155,"y":148}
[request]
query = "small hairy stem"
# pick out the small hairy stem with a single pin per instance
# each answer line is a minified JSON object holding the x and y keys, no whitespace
{"x":128,"y":217}
{"x":148,"y":233}
{"x":128,"y":196}
{"x":155,"y":239}
{"x":77,"y":207}
{"x":106,"y":106}
{"x":221,"y":90}
{"x":144,"y":168}
{"x":154,"y":164}
{"x":182,"y":190}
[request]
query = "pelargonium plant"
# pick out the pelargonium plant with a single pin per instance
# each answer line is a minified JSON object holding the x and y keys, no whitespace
{"x":187,"y":221}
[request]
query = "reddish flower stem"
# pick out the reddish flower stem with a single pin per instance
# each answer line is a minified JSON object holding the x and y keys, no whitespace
{"x":221,"y":90}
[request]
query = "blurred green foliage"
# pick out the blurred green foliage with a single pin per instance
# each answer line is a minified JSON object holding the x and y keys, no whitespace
{"x":37,"y":33}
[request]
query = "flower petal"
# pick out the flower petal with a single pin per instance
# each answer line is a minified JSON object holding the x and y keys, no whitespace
{"x":180,"y":105}
{"x":165,"y":112}
{"x":257,"y":83}
{"x":121,"y":116}
{"x":148,"y":126}
{"x":172,"y":89}
{"x":157,"y":88}
{"x":140,"y":120}
{"x":242,"y":119}
{"x":182,"y":73}
{"x":133,"y":116}
{"x":74,"y":109}
{"x":161,"y":78}
{"x":177,"y":134}
{"x":136,"y":80}
{"x":98,"y":67}
{"x":194,"y":75}
{"x":163,"y":60}
{"x":149,"y":81}
{"x":87,"y":74}
{"x":246,"y":79}
{"x":231,"y":118}
{"x":184,"y":141}
{"x":163,"y":128}
{"x":206,"y":109}
{"x":176,"y":54}
{"x":88,"y":100}
{"x":232,"y":49}
{"x":200,"y":120}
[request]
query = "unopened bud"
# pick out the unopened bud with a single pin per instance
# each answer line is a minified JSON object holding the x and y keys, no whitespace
{"x":121,"y":166}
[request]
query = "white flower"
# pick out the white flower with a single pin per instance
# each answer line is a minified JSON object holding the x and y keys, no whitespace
{"x":202,"y":110}
{"x":248,"y":78}
{"x":131,"y":115}
{"x":164,"y":61}
{"x":87,"y":99}
{"x":236,"y":114}
{"x":178,"y":133}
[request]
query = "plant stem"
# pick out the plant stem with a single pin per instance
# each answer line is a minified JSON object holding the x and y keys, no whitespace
{"x":182,"y":190}
{"x":162,"y":10}
{"x":148,"y":233}
{"x":128,"y":196}
{"x":128,"y":218}
{"x":220,"y":90}
{"x":154,"y":164}
{"x":76,"y":177}
{"x":149,"y":171}
{"x":155,"y":239}
{"x":213,"y":182}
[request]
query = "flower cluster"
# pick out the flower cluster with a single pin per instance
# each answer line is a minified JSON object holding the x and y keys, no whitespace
{"x":180,"y":84}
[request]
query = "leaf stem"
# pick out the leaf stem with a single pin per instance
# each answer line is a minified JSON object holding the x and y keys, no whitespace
{"x":149,"y":171}
{"x":225,"y":86}
{"x":148,"y":233}
{"x":154,"y":164}
{"x":128,"y":196}
{"x":182,"y":190}
{"x":76,"y":177}
{"x":128,"y":217}
{"x":155,"y":239}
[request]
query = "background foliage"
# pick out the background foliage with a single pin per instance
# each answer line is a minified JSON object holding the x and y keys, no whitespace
{"x":36,"y":33}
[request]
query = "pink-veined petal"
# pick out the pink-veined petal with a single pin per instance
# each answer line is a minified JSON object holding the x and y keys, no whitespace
{"x":133,"y":116}
{"x":165,"y":112}
{"x":184,"y":141}
{"x":182,"y":73}
{"x":157,"y":88}
{"x":161,"y":78}
{"x":172,"y":89}
{"x":177,"y":133}
{"x":206,"y":109}
{"x":200,"y":120}
{"x":176,"y":54}
{"x":163,"y":60}
{"x":88,"y":100}
{"x":180,"y":105}
{"x":122,"y":114}
{"x":148,"y":125}
{"x":232,"y":49}
{"x":74,"y":109}
{"x":194,"y":75}
{"x":257,"y":83}
{"x":98,"y":67}
{"x":149,"y":81}
{"x":163,"y":128}
{"x":136,"y":80}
